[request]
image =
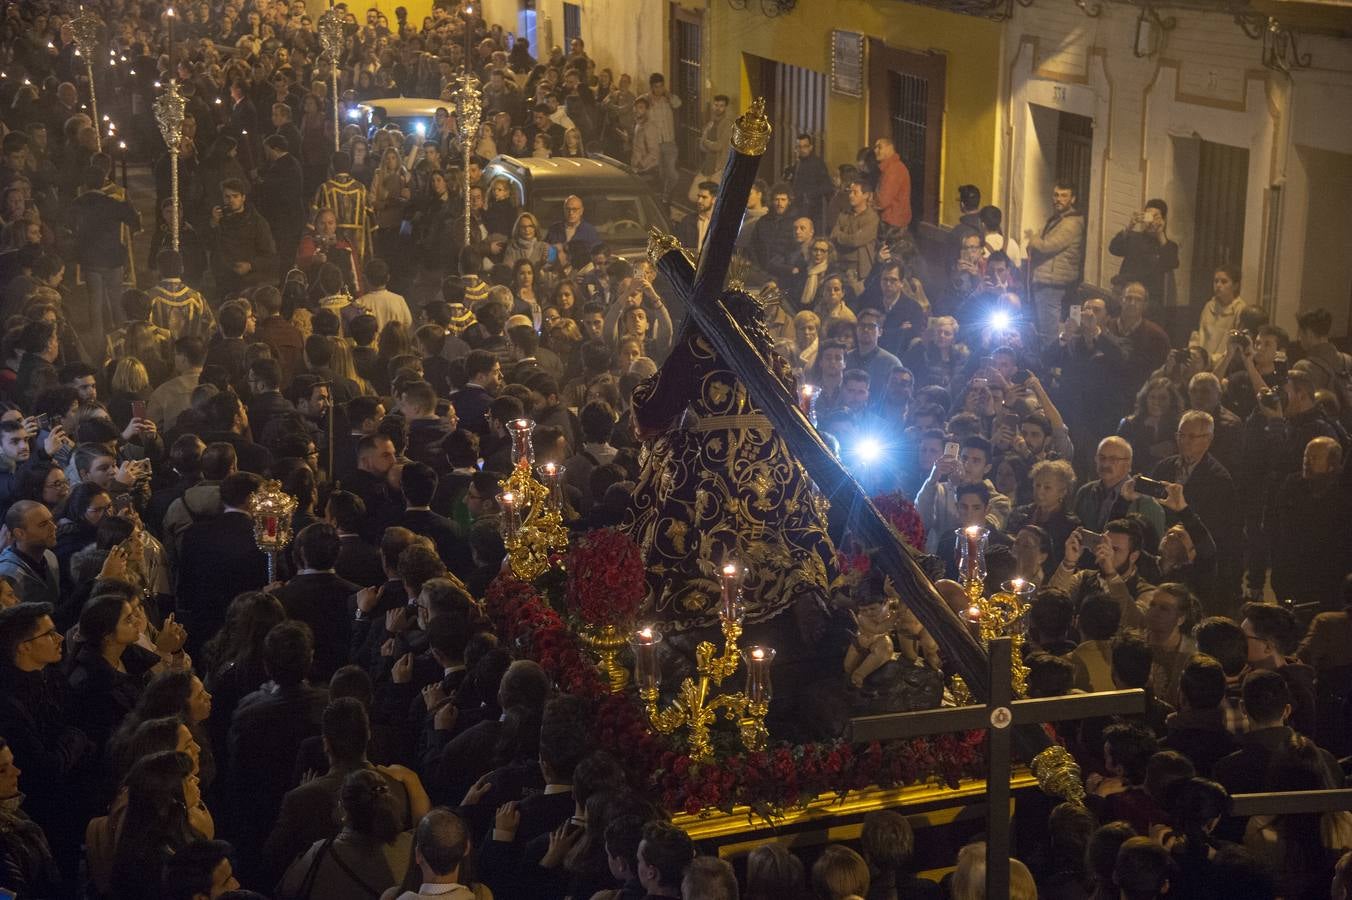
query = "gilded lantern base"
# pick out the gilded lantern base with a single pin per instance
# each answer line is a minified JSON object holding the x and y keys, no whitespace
{"x":606,"y":643}
{"x":532,"y":547}
{"x":695,"y":709}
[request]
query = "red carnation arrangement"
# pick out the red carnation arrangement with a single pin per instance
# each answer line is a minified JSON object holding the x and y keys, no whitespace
{"x":606,"y":583}
{"x":903,"y":516}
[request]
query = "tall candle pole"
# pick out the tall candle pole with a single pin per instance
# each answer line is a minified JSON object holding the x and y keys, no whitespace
{"x":330,"y":28}
{"x":84,"y":28}
{"x":169,"y":112}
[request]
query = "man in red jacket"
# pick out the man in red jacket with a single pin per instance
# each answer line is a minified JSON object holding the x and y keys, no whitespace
{"x":893,"y":197}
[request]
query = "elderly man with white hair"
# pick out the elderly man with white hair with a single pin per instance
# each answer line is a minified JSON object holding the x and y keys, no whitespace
{"x":1100,"y":501}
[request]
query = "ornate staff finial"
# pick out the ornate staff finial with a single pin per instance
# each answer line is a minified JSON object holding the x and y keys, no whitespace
{"x":751,"y":132}
{"x":660,"y":244}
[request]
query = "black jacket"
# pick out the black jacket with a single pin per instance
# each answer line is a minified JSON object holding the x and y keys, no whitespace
{"x":98,"y":229}
{"x":53,"y":754}
{"x":266,"y":732}
{"x":101,"y":696}
{"x":358,"y":561}
{"x":322,"y":600}
{"x":243,"y":237}
{"x":451,"y":544}
{"x":281,"y":199}
{"x":218,"y":560}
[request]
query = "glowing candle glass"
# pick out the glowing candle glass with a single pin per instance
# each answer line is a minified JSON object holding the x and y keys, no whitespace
{"x":807,"y":401}
{"x":972,"y":552}
{"x":647,"y":673}
{"x":511,"y":513}
{"x":551,"y":475}
{"x":731,"y":581}
{"x":758,"y":660}
{"x":522,"y":446}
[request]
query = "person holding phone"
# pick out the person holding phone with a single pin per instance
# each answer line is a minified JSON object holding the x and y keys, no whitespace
{"x":1105,"y":563}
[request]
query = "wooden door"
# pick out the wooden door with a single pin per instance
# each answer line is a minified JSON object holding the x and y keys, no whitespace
{"x":906,"y":103}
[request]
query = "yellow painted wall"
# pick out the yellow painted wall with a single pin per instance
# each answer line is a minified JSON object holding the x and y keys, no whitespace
{"x":417,"y":9}
{"x":802,"y":38}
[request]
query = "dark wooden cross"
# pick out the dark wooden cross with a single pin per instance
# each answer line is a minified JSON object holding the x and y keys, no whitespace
{"x":998,"y":717}
{"x":701,"y":289}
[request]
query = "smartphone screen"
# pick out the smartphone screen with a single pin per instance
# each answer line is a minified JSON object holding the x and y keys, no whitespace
{"x":138,"y":409}
{"x":1075,"y":314}
{"x":951,"y":449}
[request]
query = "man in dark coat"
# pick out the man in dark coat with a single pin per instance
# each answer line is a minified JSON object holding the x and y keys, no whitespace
{"x":266,"y":732}
{"x":811,"y":181}
{"x":219,"y":559}
{"x":309,"y":812}
{"x":419,"y":484}
{"x":99,"y":248}
{"x":281,"y":198}
{"x":54,"y":755}
{"x":243,"y":252}
{"x":371,"y":482}
{"x":321,"y":599}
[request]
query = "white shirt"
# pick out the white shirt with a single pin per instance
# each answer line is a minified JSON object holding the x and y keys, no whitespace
{"x":387,"y":306}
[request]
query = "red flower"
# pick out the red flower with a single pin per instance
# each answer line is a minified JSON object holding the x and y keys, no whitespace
{"x":606,"y":578}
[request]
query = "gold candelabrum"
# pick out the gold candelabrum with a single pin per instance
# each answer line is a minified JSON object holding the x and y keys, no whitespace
{"x":696,"y":705}
{"x":169,"y":111}
{"x":1002,"y":613}
{"x":84,"y":30}
{"x":531,"y":507}
{"x":330,"y":28}
{"x":272,"y":509}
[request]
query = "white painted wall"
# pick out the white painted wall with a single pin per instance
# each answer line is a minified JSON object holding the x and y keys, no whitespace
{"x":621,"y":35}
{"x":1206,"y":80}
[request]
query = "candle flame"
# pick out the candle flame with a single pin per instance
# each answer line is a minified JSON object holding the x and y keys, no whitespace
{"x":730,"y":570}
{"x":757,"y":653}
{"x":1018,"y":584}
{"x":973,"y":612}
{"x":973,"y":531}
{"x":646,"y":632}
{"x":550,"y":468}
{"x":509,"y":497}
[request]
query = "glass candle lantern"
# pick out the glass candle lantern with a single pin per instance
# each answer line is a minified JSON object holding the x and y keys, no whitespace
{"x":647,"y":673}
{"x":522,"y":446}
{"x":972,"y":552}
{"x":730,"y":580}
{"x":758,"y":660}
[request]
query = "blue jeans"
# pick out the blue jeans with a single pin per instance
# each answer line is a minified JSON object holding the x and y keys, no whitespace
{"x":105,"y":299}
{"x":666,"y":166}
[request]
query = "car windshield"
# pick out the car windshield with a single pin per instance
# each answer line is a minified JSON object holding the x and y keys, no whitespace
{"x":619,"y":216}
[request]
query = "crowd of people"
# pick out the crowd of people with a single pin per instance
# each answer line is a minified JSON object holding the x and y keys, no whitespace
{"x":174,"y":721}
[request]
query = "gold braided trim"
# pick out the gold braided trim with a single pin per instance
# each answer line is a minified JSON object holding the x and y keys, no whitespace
{"x":721,"y":423}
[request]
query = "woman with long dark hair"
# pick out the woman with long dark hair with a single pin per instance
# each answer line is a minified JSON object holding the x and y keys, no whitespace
{"x":182,"y":695}
{"x":1151,"y":426}
{"x":161,"y":789}
{"x":106,"y":681}
{"x":233,"y":659}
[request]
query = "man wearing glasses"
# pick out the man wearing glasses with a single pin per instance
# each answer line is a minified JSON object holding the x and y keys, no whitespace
{"x":52,"y":753}
{"x":29,"y":560}
{"x":1104,"y":499}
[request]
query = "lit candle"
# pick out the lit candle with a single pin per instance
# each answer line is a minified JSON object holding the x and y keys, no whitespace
{"x":647,"y":673}
{"x":732,"y":593}
{"x":510,"y":522}
{"x":974,"y":566}
{"x":758,"y":659}
{"x":523,"y":450}
{"x":973,"y":613}
{"x":551,"y":475}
